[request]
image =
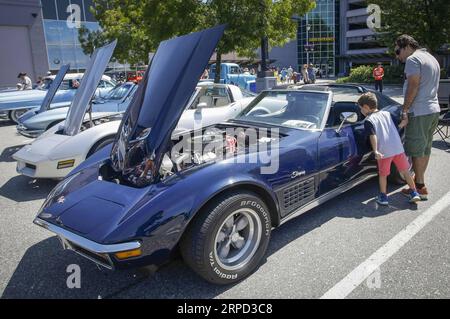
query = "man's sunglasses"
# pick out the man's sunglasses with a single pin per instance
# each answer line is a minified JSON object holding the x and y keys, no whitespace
{"x":397,"y":52}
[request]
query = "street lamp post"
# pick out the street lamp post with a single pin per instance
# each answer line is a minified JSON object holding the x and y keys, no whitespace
{"x":308,"y":27}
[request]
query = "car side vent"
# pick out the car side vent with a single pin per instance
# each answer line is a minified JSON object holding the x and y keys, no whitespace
{"x":299,"y":194}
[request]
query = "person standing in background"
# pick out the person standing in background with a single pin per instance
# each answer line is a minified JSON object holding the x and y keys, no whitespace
{"x":311,"y":74}
{"x":378,"y":74}
{"x":421,"y":108}
{"x":24,"y":82}
{"x":305,"y":74}
{"x":290,"y":72}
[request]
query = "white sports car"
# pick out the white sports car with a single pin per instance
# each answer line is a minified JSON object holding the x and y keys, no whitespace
{"x":64,"y":146}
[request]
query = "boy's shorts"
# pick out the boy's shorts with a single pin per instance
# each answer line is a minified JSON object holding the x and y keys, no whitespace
{"x":400,"y":161}
{"x":419,"y":134}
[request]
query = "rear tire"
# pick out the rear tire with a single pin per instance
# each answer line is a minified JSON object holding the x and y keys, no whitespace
{"x":228,"y":239}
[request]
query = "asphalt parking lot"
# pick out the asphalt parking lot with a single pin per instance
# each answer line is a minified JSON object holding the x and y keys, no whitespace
{"x":306,"y":258}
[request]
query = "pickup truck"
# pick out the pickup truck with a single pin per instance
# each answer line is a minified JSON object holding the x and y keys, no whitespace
{"x":231,"y":73}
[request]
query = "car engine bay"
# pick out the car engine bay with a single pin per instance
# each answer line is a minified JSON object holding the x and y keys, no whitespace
{"x":189,"y":150}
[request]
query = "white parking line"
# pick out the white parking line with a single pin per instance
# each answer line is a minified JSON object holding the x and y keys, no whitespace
{"x":343,"y":288}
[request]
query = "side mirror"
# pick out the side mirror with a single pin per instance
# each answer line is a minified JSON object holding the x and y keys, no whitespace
{"x":202,"y":105}
{"x":347,"y":117}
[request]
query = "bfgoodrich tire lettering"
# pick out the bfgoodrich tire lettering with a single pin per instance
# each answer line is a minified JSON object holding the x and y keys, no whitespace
{"x":228,"y":239}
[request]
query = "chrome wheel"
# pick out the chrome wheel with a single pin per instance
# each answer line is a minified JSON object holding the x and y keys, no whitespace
{"x":16,"y":114}
{"x":238,"y":239}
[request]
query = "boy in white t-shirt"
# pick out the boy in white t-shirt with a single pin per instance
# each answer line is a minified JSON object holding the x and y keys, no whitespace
{"x":386,"y":145}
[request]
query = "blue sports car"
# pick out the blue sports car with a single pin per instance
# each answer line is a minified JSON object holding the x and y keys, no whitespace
{"x":214,"y":193}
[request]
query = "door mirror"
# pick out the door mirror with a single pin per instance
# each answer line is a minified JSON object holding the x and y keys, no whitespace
{"x":347,"y":117}
{"x":202,"y":105}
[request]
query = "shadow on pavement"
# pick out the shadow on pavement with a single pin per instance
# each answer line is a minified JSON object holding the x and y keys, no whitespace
{"x":42,"y":271}
{"x":362,"y":206}
{"x":440,"y":144}
{"x":23,"y":189}
{"x":6,"y":155}
{"x":4,"y":122}
{"x":42,"y":274}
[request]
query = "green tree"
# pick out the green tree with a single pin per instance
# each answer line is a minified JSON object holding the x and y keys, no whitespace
{"x":250,"y":20}
{"x":425,"y":20}
{"x":140,"y":25}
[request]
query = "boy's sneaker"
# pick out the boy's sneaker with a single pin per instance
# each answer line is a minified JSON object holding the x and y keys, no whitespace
{"x":414,"y":197}
{"x":423,"y":192}
{"x":382,"y":199}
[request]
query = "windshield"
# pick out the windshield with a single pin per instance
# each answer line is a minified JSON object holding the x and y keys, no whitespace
{"x":65,"y":85}
{"x":246,"y":93}
{"x":235,"y":70}
{"x":119,"y":92}
{"x":294,"y":109}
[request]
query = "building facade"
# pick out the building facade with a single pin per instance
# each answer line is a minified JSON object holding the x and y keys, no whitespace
{"x":318,"y":37}
{"x":41,"y":35}
{"x":22,"y":41}
{"x":61,"y":20}
{"x":335,"y":36}
{"x":359,"y":44}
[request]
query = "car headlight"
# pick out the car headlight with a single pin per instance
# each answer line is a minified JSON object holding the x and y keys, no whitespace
{"x":58,"y":190}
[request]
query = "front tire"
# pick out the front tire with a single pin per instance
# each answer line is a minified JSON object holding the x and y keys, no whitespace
{"x":15,"y":114}
{"x":227,"y":241}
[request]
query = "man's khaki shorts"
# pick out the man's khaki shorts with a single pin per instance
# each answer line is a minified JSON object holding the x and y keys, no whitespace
{"x":419,"y":134}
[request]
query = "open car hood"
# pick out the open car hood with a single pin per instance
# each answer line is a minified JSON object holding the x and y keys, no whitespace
{"x":56,"y":83}
{"x":91,"y":78}
{"x":158,"y":104}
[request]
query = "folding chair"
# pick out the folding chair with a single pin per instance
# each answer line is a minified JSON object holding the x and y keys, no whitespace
{"x":443,"y":128}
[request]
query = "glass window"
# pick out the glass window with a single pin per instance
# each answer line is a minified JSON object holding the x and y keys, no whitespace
{"x":302,"y":110}
{"x":52,"y":34}
{"x":81,"y":57}
{"x":118,"y":92}
{"x":69,"y":36}
{"x":234,"y":70}
{"x":107,"y":85}
{"x":68,"y":55}
{"x":54,"y":57}
{"x":212,"y":97}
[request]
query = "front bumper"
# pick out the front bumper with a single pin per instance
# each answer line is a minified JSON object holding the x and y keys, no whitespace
{"x":31,"y":133}
{"x":98,"y":253}
{"x":39,"y":166}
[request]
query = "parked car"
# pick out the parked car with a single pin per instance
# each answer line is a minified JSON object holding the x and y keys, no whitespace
{"x":34,"y":123}
{"x":231,"y":73}
{"x":44,"y":158}
{"x":151,"y":200}
{"x":14,"y":104}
